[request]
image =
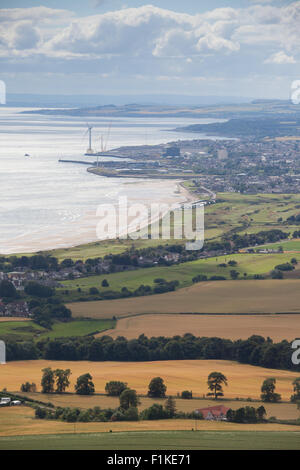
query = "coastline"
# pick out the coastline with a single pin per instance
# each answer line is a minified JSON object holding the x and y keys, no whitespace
{"x":83,"y":231}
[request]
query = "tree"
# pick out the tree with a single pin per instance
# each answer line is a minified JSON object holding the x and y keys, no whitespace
{"x":7,"y":289}
{"x":40,"y":413}
{"x":268,"y":391}
{"x":47,"y":381}
{"x":38,"y":290}
{"x":62,"y":379}
{"x":261,"y":413}
{"x":104,"y":283}
{"x":234,"y":274}
{"x":28,"y":387}
{"x":129,"y":398}
{"x":157,"y":388}
{"x":214,"y":382}
{"x":170,"y":407}
{"x":84,"y":385}
{"x":296,"y":385}
{"x":115,"y":388}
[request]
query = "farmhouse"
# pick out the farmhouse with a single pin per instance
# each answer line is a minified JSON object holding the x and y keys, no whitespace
{"x":216,"y":413}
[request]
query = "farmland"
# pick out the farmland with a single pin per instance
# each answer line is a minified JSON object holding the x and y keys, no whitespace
{"x":19,"y":430}
{"x":16,"y":330}
{"x":279,"y":410}
{"x":243,"y":380}
{"x":268,"y":296}
{"x":277,"y":327}
{"x":250,"y":264}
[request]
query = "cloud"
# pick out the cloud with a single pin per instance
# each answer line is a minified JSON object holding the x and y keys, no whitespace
{"x":280,"y":58}
{"x":25,"y":36}
{"x":151,"y":40}
{"x":35,"y":14}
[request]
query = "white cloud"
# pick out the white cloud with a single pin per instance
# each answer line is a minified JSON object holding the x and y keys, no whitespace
{"x":151,"y":40}
{"x":35,"y":14}
{"x":280,"y":58}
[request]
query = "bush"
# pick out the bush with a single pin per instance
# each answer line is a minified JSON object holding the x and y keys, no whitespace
{"x":94,"y":291}
{"x":155,"y":412}
{"x":285,"y":267}
{"x":131,"y":414}
{"x":40,"y":413}
{"x":199,"y":278}
{"x":187,"y":395}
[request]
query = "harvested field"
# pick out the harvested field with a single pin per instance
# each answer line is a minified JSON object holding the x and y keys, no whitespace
{"x":20,"y":421}
{"x":268,"y":296}
{"x":280,"y":410}
{"x":8,"y":319}
{"x":243,"y":380}
{"x":277,"y":327}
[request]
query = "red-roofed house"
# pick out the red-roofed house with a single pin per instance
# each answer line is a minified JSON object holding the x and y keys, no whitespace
{"x":216,"y":413}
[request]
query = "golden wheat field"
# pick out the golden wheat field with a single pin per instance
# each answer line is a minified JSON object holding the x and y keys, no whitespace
{"x":20,"y":421}
{"x":277,"y":327}
{"x":268,"y":296}
{"x":243,"y":380}
{"x":279,"y":410}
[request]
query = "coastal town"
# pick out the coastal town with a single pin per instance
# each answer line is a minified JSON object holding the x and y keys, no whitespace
{"x":227,"y":165}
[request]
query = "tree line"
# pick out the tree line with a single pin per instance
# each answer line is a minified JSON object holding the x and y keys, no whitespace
{"x":255,"y":350}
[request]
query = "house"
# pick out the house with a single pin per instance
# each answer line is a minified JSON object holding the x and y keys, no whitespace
{"x":14,"y":309}
{"x":214,"y":413}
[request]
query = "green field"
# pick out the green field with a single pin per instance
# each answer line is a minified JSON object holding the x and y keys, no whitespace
{"x":15,"y":330}
{"x":247,"y":263}
{"x":234,"y":211}
{"x":290,"y":245}
{"x":181,"y":440}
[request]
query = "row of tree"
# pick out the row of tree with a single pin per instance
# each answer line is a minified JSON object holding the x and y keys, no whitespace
{"x":57,"y":381}
{"x":256,"y":350}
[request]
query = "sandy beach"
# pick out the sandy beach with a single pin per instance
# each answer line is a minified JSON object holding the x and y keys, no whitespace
{"x":84,"y":229}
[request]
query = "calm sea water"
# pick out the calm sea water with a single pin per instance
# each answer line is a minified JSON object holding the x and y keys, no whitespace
{"x":46,"y":204}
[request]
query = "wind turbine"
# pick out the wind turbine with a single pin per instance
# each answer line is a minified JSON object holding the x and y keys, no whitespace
{"x":89,"y":151}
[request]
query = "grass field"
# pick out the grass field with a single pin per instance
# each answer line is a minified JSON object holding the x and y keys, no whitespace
{"x":243,"y":380}
{"x":277,"y":327}
{"x":279,"y":410}
{"x":29,"y":330}
{"x":159,"y":440}
{"x":291,"y":246}
{"x":250,"y":264}
{"x":268,"y":296}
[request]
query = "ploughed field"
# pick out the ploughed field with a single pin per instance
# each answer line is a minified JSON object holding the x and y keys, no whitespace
{"x":276,"y":326}
{"x":243,"y":380}
{"x":253,"y":296}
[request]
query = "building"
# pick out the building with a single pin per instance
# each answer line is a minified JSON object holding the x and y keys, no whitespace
{"x":214,"y":413}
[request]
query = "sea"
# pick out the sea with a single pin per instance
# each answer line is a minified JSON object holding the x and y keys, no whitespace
{"x":46,"y":204}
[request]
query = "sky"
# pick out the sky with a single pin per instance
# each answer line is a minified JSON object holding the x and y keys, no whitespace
{"x":247,"y":48}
